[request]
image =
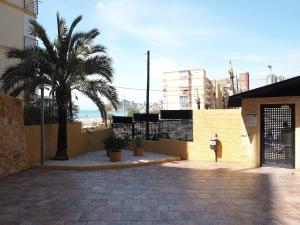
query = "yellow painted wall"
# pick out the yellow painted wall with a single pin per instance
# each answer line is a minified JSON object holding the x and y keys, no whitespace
{"x":236,"y":141}
{"x":225,"y":123}
{"x":78,"y":141}
{"x":251,"y":135}
{"x":168,"y":146}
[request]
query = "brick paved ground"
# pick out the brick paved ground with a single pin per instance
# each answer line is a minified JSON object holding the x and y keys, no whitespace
{"x":181,"y":193}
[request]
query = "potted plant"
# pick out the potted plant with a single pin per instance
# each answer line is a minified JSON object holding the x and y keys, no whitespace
{"x":115,"y":152}
{"x":109,"y":144}
{"x":138,"y":148}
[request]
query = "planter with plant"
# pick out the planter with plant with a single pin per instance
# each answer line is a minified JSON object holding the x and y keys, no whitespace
{"x":115,"y":152}
{"x":138,"y":147}
{"x":108,"y":144}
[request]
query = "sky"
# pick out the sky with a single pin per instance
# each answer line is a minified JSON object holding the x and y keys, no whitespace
{"x":183,"y":35}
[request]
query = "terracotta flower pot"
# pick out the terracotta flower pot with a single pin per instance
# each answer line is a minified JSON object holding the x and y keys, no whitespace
{"x":115,"y":156}
{"x":138,"y":151}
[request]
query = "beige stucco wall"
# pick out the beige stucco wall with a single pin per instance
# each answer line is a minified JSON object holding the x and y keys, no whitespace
{"x":11,"y":26}
{"x":17,"y":3}
{"x":78,"y":141}
{"x":14,"y":20}
{"x":13,"y":155}
{"x":251,"y":135}
{"x":12,"y":31}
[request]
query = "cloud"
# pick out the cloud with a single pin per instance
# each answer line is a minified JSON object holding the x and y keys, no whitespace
{"x":100,"y":5}
{"x":157,"y":23}
{"x":247,"y":56}
{"x":162,"y":64}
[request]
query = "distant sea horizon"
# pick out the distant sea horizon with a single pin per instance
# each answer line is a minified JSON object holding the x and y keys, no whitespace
{"x":93,"y":114}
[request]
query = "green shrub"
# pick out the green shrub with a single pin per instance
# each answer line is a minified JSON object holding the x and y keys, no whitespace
{"x":114,"y":144}
{"x":137,"y":142}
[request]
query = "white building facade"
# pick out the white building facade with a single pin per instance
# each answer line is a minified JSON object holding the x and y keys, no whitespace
{"x":15,"y":16}
{"x":182,"y":89}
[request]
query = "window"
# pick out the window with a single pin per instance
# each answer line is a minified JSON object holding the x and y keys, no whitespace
{"x":183,"y":75}
{"x":183,"y":100}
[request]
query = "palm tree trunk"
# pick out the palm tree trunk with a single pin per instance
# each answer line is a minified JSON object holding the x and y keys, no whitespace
{"x":105,"y":121}
{"x":70,"y":108}
{"x":62,"y":140}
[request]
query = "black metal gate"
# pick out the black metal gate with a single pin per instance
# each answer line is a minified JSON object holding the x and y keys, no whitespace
{"x":278,"y":135}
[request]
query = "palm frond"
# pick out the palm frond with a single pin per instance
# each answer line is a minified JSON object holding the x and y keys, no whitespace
{"x":38,"y":31}
{"x":99,"y":65}
{"x":74,"y":24}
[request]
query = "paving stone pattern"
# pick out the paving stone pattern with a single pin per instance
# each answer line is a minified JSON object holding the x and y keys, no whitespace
{"x":178,"y":193}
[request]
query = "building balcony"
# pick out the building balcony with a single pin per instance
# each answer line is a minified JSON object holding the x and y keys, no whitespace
{"x":29,"y":42}
{"x":31,"y":6}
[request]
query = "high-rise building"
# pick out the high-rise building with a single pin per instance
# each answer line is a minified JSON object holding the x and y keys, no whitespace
{"x":271,"y":79}
{"x":187,"y":89}
{"x":223,"y":89}
{"x":243,"y":82}
{"x":280,"y":78}
{"x":15,"y":27}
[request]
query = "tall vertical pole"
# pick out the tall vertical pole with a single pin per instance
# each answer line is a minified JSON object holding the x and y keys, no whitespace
{"x":124,"y":106}
{"x":42,"y":125}
{"x":237,"y":83}
{"x":198,"y":100}
{"x":147,"y":94}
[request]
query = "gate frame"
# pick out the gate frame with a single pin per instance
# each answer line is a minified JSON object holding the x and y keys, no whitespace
{"x":293,"y":126}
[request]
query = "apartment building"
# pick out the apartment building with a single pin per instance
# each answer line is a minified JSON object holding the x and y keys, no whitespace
{"x":223,"y":89}
{"x":187,"y":89}
{"x":15,"y":27}
{"x":244,"y":84}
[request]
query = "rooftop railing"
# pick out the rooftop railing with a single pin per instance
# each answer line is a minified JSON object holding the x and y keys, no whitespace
{"x":29,"y":42}
{"x":31,"y":6}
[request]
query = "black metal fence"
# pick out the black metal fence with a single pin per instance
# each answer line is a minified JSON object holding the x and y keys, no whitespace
{"x":32,"y":112}
{"x":123,"y":127}
{"x":176,"y":129}
{"x":140,"y":124}
{"x":176,"y":124}
{"x":173,"y":124}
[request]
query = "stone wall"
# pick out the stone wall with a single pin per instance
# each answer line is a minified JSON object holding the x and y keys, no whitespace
{"x":13,"y":155}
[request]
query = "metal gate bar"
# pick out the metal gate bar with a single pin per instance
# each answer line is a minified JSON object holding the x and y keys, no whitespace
{"x":278,"y":135}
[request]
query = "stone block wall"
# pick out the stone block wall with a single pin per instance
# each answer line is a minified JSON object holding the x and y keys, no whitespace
{"x":13,"y":155}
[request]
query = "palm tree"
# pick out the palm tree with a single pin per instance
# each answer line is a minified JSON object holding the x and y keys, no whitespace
{"x":71,"y":62}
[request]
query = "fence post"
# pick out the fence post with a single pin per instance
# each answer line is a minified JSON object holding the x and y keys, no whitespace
{"x":132,"y":130}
